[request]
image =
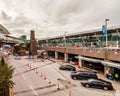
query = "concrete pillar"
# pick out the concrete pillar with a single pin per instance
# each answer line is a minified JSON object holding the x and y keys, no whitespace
{"x":66,"y":57}
{"x":46,"y":53}
{"x":108,"y":70}
{"x":80,"y":62}
{"x":56,"y":55}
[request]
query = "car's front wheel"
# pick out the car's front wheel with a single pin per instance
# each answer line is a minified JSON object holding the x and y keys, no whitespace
{"x":60,"y":68}
{"x":74,"y":78}
{"x":105,"y":88}
{"x":87,"y":86}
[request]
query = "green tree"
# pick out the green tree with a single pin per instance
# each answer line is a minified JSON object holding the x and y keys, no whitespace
{"x":6,"y":73}
{"x":2,"y":61}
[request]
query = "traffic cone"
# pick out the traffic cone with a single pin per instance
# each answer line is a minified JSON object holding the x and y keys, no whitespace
{"x":58,"y":87}
{"x":30,"y":66}
{"x":36,"y":71}
{"x":44,"y":77}
{"x":70,"y":94}
{"x":41,"y":74}
{"x":78,"y":66}
{"x":49,"y":81}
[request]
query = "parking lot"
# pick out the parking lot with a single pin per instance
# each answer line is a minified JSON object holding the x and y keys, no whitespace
{"x":42,"y":77}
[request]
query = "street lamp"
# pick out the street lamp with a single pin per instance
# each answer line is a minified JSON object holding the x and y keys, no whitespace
{"x":106,"y":32}
{"x":64,"y":39}
{"x":47,"y":41}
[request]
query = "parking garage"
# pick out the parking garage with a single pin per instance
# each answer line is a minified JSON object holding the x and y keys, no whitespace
{"x":93,"y":65}
{"x":72,"y":59}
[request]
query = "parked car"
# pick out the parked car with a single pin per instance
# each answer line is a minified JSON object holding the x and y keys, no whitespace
{"x":83,"y":75}
{"x":97,"y":83}
{"x":67,"y":67}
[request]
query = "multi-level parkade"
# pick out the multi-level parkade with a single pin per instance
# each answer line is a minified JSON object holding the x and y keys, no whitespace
{"x":91,"y":49}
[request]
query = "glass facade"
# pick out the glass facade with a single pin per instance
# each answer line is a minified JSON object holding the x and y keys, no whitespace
{"x":96,"y":39}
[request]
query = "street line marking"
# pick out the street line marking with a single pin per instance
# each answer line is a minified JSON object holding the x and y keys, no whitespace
{"x":33,"y":90}
{"x":24,"y":77}
{"x":91,"y":91}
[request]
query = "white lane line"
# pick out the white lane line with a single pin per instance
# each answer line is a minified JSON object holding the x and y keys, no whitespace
{"x":33,"y":90}
{"x":30,"y":85}
{"x":97,"y":92}
{"x":24,"y":77}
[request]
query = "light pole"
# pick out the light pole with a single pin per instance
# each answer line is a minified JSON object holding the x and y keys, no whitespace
{"x":47,"y":42}
{"x":64,"y":39}
{"x":106,"y":32}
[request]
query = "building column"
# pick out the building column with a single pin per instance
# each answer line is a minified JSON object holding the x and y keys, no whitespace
{"x":56,"y":55}
{"x":66,"y":57}
{"x":47,"y":53}
{"x":80,"y":62}
{"x":108,"y":70}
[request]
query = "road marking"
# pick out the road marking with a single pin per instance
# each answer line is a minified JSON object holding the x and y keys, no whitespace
{"x":97,"y":92}
{"x":33,"y":90}
{"x":24,"y":77}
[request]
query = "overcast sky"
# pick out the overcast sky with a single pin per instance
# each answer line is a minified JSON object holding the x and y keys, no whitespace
{"x":54,"y":17}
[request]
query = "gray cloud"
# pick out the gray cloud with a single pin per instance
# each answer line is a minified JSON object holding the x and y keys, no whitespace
{"x":54,"y":17}
{"x":4,"y":17}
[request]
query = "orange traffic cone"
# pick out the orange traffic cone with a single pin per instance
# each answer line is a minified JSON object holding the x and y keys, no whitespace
{"x":36,"y":71}
{"x":58,"y":87}
{"x":44,"y":77}
{"x":41,"y":74}
{"x":78,"y":66}
{"x":49,"y":81}
{"x":70,"y":94}
{"x":30,"y":66}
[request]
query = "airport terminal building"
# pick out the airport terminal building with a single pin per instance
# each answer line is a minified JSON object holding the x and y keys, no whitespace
{"x":87,"y":49}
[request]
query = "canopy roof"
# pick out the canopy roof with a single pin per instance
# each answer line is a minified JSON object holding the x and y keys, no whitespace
{"x":3,"y":30}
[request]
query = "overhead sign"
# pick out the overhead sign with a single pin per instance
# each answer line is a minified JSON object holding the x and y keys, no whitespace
{"x":104,"y":29}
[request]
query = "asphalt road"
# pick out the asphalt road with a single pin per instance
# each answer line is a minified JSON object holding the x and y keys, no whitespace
{"x":40,"y":77}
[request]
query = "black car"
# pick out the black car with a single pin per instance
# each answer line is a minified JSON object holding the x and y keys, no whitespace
{"x":67,"y":67}
{"x":83,"y":75}
{"x":97,"y":83}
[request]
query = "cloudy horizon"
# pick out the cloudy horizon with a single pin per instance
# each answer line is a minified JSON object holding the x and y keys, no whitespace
{"x":54,"y":17}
